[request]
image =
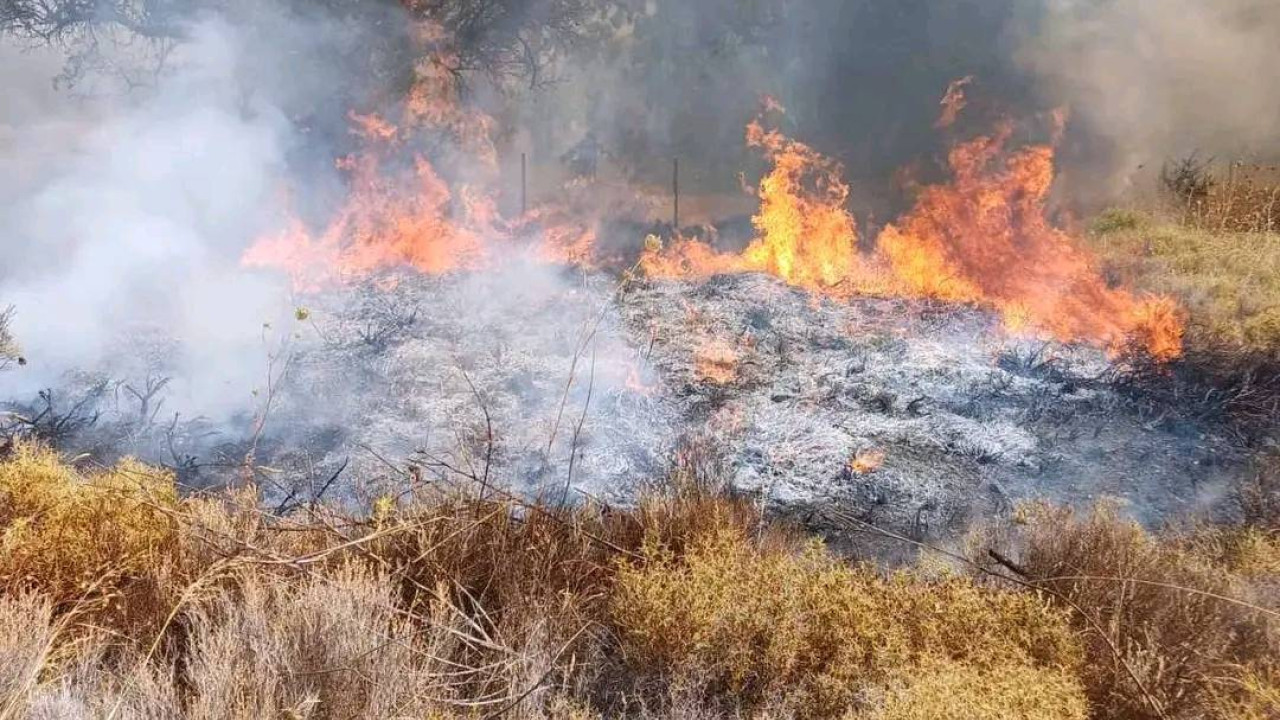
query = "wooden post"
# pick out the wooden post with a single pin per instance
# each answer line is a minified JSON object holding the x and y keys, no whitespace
{"x":675,"y":187}
{"x":524,"y":184}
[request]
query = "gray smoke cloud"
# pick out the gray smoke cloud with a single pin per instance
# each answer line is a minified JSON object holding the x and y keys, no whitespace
{"x":1148,"y":81}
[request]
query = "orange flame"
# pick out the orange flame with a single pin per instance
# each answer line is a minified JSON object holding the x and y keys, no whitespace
{"x":983,"y":239}
{"x":398,"y":216}
{"x":806,"y":236}
{"x":388,"y":220}
{"x":866,"y":462}
{"x":953,"y":103}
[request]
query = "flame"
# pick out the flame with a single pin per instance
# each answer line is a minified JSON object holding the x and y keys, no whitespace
{"x":867,"y":461}
{"x":953,"y":103}
{"x":399,"y":211}
{"x":984,"y":238}
{"x":805,"y":234}
{"x":389,"y":219}
{"x":716,"y":362}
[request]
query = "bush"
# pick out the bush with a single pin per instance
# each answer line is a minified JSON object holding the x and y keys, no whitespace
{"x":119,"y":597}
{"x":769,"y":625}
{"x":1116,"y":220}
{"x":101,"y":539}
{"x":952,"y":691}
{"x":1166,"y":607}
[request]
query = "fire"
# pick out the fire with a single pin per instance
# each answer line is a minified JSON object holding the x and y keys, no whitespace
{"x":716,"y":361}
{"x":806,"y":236}
{"x":391,"y":218}
{"x":401,"y":213}
{"x":867,"y":461}
{"x":953,"y":103}
{"x":984,"y":238}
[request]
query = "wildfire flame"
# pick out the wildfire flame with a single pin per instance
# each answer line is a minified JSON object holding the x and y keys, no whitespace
{"x":806,"y":236}
{"x":984,"y":238}
{"x":389,"y":219}
{"x":400,"y":213}
{"x":953,"y":103}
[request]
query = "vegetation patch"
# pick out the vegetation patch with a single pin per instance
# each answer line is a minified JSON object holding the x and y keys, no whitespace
{"x":445,"y":604}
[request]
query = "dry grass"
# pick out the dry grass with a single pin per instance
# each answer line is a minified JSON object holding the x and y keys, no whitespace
{"x":1229,"y":285}
{"x":1229,"y":282}
{"x":800,"y":629}
{"x":1239,"y":198}
{"x":690,"y":605}
{"x":1184,"y":626}
{"x":104,"y":539}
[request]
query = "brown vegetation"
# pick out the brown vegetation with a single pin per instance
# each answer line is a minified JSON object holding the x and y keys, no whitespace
{"x":117,"y":596}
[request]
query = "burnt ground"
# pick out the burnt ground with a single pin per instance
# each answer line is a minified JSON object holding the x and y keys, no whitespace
{"x":541,"y":379}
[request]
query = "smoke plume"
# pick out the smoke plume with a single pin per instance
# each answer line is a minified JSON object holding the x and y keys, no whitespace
{"x":1150,"y":81}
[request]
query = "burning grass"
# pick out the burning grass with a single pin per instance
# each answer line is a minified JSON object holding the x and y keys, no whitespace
{"x":1229,"y":283}
{"x":444,"y":604}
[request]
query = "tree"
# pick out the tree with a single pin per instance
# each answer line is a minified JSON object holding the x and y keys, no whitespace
{"x":9,"y":353}
{"x":502,"y":40}
{"x":506,"y":39}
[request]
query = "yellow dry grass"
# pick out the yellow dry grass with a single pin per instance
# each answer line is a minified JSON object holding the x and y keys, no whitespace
{"x":121,"y":598}
{"x":759,"y":624}
{"x":1229,"y":282}
{"x":1181,"y":626}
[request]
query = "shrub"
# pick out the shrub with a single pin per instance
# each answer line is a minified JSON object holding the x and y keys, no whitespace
{"x":101,"y":539}
{"x":952,"y":691}
{"x":690,"y":605}
{"x":772,"y":625}
{"x":325,"y":646}
{"x":1118,"y":220}
{"x":1163,"y":606}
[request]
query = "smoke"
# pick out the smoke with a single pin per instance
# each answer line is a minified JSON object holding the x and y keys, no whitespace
{"x":1143,"y":81}
{"x":128,"y":214}
{"x":1150,"y":81}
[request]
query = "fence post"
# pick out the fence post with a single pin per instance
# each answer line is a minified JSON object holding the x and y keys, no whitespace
{"x":675,"y":187}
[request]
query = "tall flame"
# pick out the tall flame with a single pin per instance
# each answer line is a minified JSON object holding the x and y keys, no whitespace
{"x":806,"y":235}
{"x":984,"y":238}
{"x":400,"y":212}
{"x":389,"y":219}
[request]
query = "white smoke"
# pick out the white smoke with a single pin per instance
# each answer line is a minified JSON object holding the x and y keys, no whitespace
{"x":132,"y":212}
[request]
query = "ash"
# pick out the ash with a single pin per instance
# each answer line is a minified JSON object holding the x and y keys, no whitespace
{"x":967,"y":421}
{"x":910,"y":415}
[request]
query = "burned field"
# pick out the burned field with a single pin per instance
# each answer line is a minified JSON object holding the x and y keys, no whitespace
{"x":572,"y":385}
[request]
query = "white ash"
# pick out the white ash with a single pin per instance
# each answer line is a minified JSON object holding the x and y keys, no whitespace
{"x":391,"y":382}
